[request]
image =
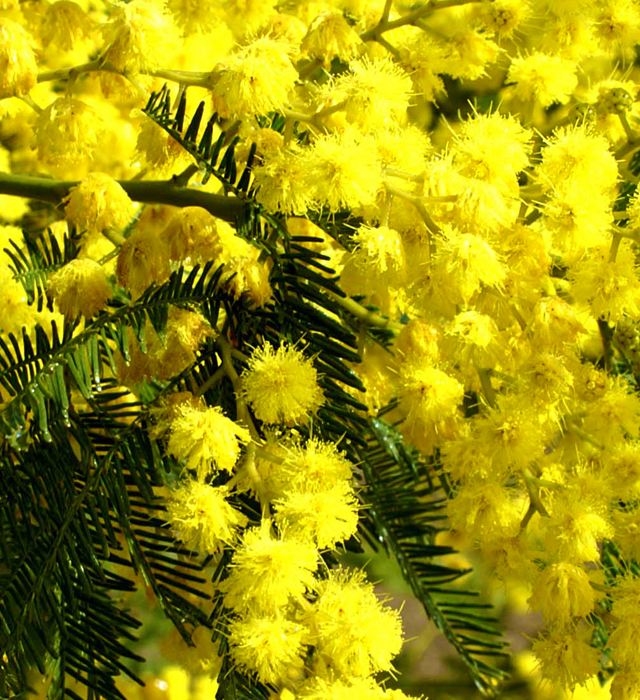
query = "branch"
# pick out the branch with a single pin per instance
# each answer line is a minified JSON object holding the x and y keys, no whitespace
{"x":147,"y":191}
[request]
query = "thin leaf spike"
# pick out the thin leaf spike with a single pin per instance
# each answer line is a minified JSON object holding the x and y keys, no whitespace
{"x":178,"y":120}
{"x":194,"y":126}
{"x":204,"y":147}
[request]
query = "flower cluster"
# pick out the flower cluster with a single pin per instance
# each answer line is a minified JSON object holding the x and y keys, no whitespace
{"x":496,"y":253}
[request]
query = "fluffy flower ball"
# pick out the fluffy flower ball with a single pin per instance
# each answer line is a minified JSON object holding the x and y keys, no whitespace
{"x":98,"y":203}
{"x":18,"y":68}
{"x":203,"y":517}
{"x":282,"y":385}
{"x":80,"y":287}
{"x":206,"y":439}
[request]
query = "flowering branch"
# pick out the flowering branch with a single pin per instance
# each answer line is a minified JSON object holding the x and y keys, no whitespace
{"x":148,"y":191}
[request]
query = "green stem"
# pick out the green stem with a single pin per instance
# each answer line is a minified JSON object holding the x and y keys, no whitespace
{"x":177,"y":76}
{"x":148,"y":191}
{"x":615,"y":244}
{"x":114,"y":237}
{"x":370,"y":318}
{"x":210,"y":382}
{"x":534,"y":494}
{"x":487,"y":388}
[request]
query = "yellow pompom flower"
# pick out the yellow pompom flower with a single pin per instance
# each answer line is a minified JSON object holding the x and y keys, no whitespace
{"x":323,"y":518}
{"x":511,"y":432}
{"x":464,"y":263}
{"x":139,"y":36}
{"x":255,"y":79}
{"x":98,"y":203}
{"x":625,"y":685}
{"x":570,"y":158}
{"x":344,"y":170}
{"x":575,"y":529}
{"x":192,"y":236}
{"x":474,"y":339}
{"x":318,"y":688}
{"x":282,"y":385}
{"x":80,"y":287}
{"x":428,"y":395}
{"x":267,"y":572}
{"x":330,"y":36}
{"x":203,"y":517}
{"x":624,"y":641}
{"x":353,"y":632}
{"x":18,"y":67}
{"x":503,"y":17}
{"x":618,"y":25}
{"x":186,"y":331}
{"x":270,"y":647}
{"x":142,"y":261}
{"x":314,"y":467}
{"x":68,"y":132}
{"x":194,"y":15}
{"x":64,"y":25}
{"x":492,"y":147}
{"x":15,"y":311}
{"x":376,"y":93}
{"x":206,"y":439}
{"x":565,"y":658}
{"x":379,"y":249}
{"x":280,"y":181}
{"x":544,"y":78}
{"x":562,"y":591}
{"x":610,"y":288}
{"x":485,"y":511}
{"x":244,"y":272}
{"x":159,"y":149}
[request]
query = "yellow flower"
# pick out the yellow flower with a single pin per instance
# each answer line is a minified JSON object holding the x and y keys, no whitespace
{"x":543,"y":78}
{"x":570,"y":158}
{"x":316,"y":467}
{"x":142,"y":261}
{"x":565,"y":658}
{"x":575,"y":529}
{"x":375,"y":93}
{"x":65,"y":24}
{"x":624,"y":642}
{"x":267,"y":573}
{"x":80,"y":287}
{"x":485,"y":511}
{"x":344,"y":170}
{"x":353,"y":632}
{"x":98,"y":203}
{"x":428,"y":395}
{"x":464,"y":263}
{"x":139,"y":36}
{"x":270,"y":647}
{"x":562,"y":591}
{"x":282,"y":385}
{"x":323,"y":518}
{"x":206,"y":439}
{"x":203,"y":517}
{"x":192,"y":236}
{"x":611,"y":288}
{"x":67,"y":132}
{"x":256,"y":79}
{"x":330,"y":36}
{"x":18,"y":67}
{"x":244,"y":272}
{"x":503,"y":17}
{"x":492,"y":147}
{"x":280,"y":181}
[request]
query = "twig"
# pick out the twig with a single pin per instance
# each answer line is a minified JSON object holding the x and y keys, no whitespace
{"x":148,"y":191}
{"x":370,"y":318}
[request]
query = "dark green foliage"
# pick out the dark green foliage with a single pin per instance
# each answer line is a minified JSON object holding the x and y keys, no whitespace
{"x":80,"y":518}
